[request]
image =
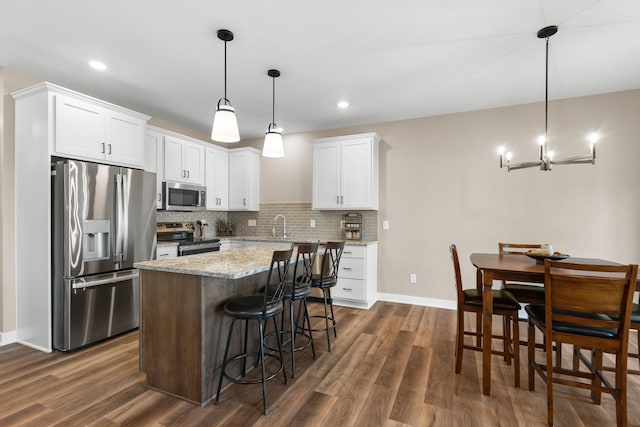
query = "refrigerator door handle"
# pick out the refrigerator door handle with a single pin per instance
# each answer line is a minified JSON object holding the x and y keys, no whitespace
{"x":103,"y":279}
{"x":118,"y":255}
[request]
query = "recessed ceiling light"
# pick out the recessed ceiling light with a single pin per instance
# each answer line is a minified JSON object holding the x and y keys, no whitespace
{"x":343,"y":104}
{"x":98,"y":65}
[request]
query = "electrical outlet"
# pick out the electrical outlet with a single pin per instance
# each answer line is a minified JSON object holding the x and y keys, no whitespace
{"x":312,"y":223}
{"x":251,"y":223}
{"x":413,"y":278}
{"x":385,"y":224}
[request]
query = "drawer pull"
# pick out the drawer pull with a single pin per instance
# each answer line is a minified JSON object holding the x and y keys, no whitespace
{"x":347,"y":252}
{"x":346,"y":289}
{"x":347,"y":268}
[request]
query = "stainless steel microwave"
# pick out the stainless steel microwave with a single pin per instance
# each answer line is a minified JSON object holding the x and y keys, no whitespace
{"x":183,"y":197}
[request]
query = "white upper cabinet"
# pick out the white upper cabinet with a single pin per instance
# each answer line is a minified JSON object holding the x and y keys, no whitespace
{"x":154,"y":159}
{"x":183,"y":161}
{"x":345,"y":172}
{"x":244,"y":179}
{"x":90,"y":130}
{"x":217,"y":178}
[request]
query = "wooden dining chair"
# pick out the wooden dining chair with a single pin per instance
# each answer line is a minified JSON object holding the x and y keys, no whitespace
{"x":588,"y":306}
{"x":529,"y":293}
{"x":504,"y":304}
{"x":634,"y":326}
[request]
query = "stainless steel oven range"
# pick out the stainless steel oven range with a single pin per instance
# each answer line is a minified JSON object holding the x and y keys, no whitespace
{"x":188,"y":235}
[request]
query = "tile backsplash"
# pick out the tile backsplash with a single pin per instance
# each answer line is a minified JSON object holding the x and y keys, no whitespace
{"x":298,"y":215}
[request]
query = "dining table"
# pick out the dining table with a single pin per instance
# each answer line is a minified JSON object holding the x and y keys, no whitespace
{"x":508,"y":267}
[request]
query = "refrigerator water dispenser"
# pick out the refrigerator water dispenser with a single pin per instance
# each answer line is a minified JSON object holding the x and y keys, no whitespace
{"x":95,"y":239}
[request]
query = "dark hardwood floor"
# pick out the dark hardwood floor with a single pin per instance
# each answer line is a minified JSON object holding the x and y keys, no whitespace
{"x":392,"y":365}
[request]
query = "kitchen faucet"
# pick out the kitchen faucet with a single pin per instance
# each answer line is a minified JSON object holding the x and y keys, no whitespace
{"x":284,"y":226}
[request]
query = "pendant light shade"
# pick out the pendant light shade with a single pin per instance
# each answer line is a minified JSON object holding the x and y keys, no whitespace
{"x":225,"y":124}
{"x":273,"y":146}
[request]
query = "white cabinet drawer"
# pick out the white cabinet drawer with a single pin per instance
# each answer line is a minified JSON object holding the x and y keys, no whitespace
{"x":354,"y":252}
{"x":352,"y":268}
{"x":349,"y":289}
{"x":167,"y":251}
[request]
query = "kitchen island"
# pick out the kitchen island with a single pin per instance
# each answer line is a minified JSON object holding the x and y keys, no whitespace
{"x":183,"y":326}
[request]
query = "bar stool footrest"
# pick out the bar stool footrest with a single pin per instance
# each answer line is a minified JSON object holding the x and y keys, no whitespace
{"x":256,"y":354}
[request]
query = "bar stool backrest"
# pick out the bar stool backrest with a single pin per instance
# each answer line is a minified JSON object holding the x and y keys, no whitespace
{"x":277,"y":278}
{"x":303,"y":269}
{"x":331,"y":261}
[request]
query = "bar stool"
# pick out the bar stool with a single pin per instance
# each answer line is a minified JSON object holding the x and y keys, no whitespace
{"x":325,"y":280}
{"x":296,"y":291}
{"x":260,"y":308}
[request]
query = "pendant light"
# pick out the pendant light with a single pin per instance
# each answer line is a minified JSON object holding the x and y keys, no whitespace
{"x":225,"y":124}
{"x":273,"y":138}
{"x":545,"y":159}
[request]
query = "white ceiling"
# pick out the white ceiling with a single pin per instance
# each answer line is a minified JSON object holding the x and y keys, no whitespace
{"x":390,"y":59}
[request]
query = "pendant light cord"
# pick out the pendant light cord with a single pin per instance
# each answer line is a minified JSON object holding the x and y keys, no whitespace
{"x":225,"y":72}
{"x":273,"y":102}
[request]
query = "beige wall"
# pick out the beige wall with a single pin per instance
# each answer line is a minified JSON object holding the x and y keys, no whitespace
{"x":10,"y":80}
{"x":440,"y":184}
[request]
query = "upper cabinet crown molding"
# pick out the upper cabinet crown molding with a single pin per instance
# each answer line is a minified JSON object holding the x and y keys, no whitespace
{"x":53,"y":88}
{"x":345,"y":172}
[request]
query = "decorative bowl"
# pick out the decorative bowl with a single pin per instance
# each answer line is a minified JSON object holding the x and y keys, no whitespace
{"x":539,"y":257}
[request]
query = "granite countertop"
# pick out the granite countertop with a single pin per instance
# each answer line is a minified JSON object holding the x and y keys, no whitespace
{"x":231,"y":264}
{"x":292,"y":240}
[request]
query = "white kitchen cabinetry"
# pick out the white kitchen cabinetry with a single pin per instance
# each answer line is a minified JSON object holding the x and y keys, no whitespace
{"x":89,"y":130}
{"x":168,"y":251}
{"x":217,"y":178}
{"x":345,"y":172}
{"x":154,"y":159}
{"x":183,"y":161}
{"x":244,"y":179}
{"x":358,"y":277}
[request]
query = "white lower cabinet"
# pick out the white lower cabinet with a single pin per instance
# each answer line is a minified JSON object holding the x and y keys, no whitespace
{"x":167,"y":251}
{"x":358,"y":276}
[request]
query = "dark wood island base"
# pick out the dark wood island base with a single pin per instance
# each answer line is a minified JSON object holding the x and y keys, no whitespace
{"x":183,"y":326}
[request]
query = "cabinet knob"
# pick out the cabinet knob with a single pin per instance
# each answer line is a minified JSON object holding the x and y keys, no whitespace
{"x":109,"y":148}
{"x":102,"y":147}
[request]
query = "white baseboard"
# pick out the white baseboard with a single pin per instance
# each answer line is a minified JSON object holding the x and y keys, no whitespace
{"x":7,"y":338}
{"x":427,"y":302}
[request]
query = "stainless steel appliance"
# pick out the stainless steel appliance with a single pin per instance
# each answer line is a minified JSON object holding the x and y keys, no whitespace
{"x":103,"y":220}
{"x":184,"y":234}
{"x":177,"y":196}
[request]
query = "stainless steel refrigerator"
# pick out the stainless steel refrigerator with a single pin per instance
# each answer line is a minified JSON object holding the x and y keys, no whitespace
{"x":104,"y":220}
